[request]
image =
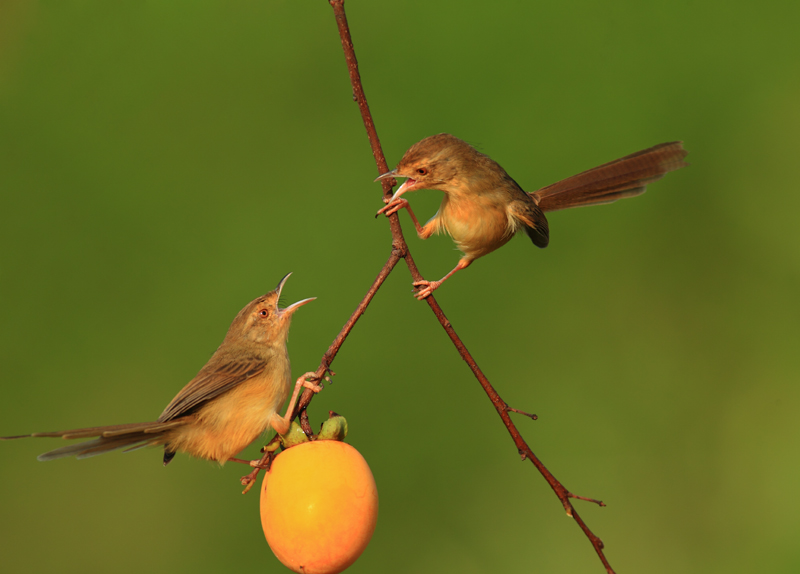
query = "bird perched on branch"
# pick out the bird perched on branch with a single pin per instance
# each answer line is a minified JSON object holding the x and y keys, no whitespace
{"x":233,"y":399}
{"x":483,"y":207}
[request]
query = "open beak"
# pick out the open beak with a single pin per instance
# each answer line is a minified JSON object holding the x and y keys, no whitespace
{"x":407,"y":184}
{"x":294,"y":306}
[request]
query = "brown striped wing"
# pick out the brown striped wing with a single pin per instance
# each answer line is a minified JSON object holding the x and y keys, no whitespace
{"x":220,"y":375}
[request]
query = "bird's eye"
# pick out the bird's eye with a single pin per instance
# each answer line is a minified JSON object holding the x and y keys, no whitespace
{"x":422,"y":171}
{"x":263,"y":313}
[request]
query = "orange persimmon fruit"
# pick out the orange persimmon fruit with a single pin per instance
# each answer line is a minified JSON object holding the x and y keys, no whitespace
{"x":319,"y":506}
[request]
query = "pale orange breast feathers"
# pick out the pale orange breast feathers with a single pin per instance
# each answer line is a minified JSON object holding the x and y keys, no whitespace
{"x":477,"y":224}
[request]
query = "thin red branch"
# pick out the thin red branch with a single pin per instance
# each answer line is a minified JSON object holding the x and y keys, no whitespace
{"x":330,"y":354}
{"x":400,"y":250}
{"x":399,"y":243}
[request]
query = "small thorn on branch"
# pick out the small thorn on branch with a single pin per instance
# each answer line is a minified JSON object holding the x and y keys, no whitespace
{"x":523,"y":455}
{"x":529,"y":415}
{"x":594,"y":500}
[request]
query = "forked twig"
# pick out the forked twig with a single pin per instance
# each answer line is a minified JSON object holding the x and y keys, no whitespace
{"x":400,"y":251}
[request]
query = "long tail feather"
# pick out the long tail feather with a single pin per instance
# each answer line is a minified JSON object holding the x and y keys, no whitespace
{"x":95,"y":431}
{"x":96,"y":446}
{"x":625,"y":177}
{"x":109,"y":438}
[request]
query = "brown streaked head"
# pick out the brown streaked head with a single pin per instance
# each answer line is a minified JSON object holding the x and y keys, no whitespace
{"x":435,"y":163}
{"x":263,"y":320}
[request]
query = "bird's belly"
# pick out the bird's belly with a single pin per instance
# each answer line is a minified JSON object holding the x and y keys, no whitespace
{"x":476,"y":229}
{"x":230,"y":422}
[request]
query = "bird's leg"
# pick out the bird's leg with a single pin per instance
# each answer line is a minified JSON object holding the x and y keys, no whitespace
{"x":253,"y":463}
{"x":397,"y":205}
{"x":249,"y":480}
{"x":281,"y":424}
{"x":429,"y":287}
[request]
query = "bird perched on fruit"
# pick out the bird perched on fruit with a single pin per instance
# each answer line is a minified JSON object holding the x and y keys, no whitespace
{"x":483,"y":207}
{"x":233,"y":399}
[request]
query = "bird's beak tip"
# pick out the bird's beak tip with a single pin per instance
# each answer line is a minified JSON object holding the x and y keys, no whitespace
{"x":294,"y":306}
{"x":386,"y":175}
{"x":279,"y":288}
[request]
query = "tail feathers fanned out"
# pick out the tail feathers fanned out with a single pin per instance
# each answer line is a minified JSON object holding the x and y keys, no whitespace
{"x":624,"y":177}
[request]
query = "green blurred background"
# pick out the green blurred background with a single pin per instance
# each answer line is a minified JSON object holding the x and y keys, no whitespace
{"x":163,"y":163}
